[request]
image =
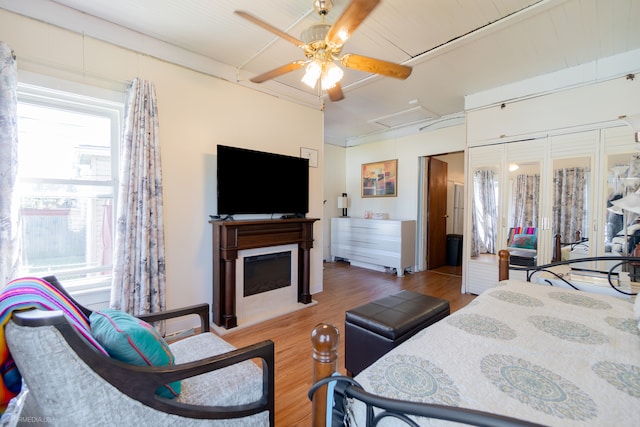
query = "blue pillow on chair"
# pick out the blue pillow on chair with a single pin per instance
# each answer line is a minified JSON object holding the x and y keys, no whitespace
{"x":133,"y":341}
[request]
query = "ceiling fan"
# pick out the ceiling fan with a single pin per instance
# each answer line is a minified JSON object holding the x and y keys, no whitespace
{"x":322,"y":44}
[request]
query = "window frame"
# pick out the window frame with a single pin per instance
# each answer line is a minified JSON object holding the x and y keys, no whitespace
{"x":85,"y":100}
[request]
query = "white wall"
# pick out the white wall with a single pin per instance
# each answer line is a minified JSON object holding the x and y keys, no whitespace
{"x":344,"y":167}
{"x":407,"y":150}
{"x":196,"y":112}
{"x":334,"y":186}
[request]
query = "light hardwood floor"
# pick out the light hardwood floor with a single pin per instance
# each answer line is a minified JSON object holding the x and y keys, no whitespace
{"x":344,"y":287}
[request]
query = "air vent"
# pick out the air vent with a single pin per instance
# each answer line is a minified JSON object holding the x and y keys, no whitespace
{"x":402,"y":118}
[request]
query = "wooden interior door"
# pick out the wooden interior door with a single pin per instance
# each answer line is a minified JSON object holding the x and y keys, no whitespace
{"x":437,"y":214}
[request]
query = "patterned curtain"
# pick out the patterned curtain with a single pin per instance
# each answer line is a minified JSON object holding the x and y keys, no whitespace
{"x":475,"y":236}
{"x":570,"y":203}
{"x":484,"y":213}
{"x":139,"y":259}
{"x":526,"y":200}
{"x":9,"y":205}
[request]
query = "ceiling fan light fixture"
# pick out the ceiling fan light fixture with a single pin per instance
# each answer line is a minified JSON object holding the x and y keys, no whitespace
{"x":315,"y":33}
{"x":331,"y":75}
{"x":312,"y":74}
{"x":323,"y":7}
{"x":322,"y":45}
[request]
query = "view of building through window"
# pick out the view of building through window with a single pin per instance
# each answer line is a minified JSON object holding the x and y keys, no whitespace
{"x":66,"y":186}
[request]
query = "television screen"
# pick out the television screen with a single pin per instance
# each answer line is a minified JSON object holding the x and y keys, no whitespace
{"x":256,"y":182}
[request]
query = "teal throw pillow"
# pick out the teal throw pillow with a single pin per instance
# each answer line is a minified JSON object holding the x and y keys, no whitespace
{"x":133,"y":341}
{"x":524,"y":241}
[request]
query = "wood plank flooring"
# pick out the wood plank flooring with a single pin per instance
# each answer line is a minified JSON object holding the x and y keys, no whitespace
{"x":344,"y":287}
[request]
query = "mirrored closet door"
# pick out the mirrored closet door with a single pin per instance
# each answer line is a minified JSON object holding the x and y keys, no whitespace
{"x":572,"y":189}
{"x":620,"y":202}
{"x":523,"y":216}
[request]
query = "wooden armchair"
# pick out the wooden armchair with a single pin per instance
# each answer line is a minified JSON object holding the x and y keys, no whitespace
{"x":70,"y":382}
{"x":522,"y":242}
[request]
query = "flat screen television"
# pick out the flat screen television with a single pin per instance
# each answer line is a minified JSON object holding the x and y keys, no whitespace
{"x":257,"y":182}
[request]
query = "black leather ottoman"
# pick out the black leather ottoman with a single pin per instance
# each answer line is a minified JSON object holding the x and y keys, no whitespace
{"x":373,"y":329}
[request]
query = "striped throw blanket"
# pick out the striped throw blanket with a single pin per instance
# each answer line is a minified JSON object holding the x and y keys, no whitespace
{"x":524,"y":230}
{"x":27,"y":293}
{"x":520,"y":230}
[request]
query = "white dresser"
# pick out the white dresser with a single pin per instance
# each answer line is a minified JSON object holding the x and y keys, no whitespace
{"x":375,"y":243}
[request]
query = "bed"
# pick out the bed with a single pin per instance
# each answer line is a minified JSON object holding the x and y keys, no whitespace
{"x":520,"y":354}
{"x":616,"y":247}
{"x":581,"y":249}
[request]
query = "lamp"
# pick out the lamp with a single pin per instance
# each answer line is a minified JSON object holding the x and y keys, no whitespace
{"x":331,"y":75}
{"x":630,"y":202}
{"x":343,"y":203}
{"x":634,"y":122}
{"x":311,"y":76}
{"x":327,"y":72}
{"x":617,"y":210}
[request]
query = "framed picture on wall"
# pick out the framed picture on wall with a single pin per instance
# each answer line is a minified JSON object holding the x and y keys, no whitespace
{"x":380,"y":179}
{"x":311,"y":154}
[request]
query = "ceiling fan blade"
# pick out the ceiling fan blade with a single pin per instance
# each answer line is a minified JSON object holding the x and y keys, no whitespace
{"x":377,"y":66}
{"x":270,"y":28}
{"x":350,"y":19}
{"x":335,"y":93}
{"x":292,"y":66}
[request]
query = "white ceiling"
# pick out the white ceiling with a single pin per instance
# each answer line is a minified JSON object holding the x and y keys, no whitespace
{"x":456,"y":48}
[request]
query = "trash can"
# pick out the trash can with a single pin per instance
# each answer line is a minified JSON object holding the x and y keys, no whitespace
{"x":454,"y":249}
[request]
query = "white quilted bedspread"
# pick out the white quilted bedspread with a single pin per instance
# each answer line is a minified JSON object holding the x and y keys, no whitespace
{"x":543,"y":354}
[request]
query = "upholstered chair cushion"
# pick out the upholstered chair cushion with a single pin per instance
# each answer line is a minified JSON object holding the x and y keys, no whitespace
{"x":234,"y":385}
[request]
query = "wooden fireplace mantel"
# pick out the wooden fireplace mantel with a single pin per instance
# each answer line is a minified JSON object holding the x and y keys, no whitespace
{"x":229,"y":237}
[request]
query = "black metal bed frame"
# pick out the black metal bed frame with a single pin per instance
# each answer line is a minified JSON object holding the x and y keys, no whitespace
{"x":611,"y":273}
{"x":346,"y":389}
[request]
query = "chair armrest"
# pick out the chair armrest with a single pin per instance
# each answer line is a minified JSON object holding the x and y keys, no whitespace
{"x":201,"y":310}
{"x":263,"y":350}
{"x":141,"y":382}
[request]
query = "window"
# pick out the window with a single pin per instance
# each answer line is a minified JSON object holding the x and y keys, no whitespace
{"x":67,"y":182}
